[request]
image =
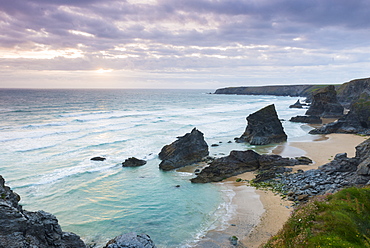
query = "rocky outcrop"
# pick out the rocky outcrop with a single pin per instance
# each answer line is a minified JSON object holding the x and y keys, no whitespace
{"x":186,"y":150}
{"x":329,"y":178}
{"x":264,"y":127}
{"x":311,"y":119}
{"x":20,"y":228}
{"x":297,"y":104}
{"x":131,"y":240}
{"x":325,"y":103}
{"x":352,"y":91}
{"x":357,"y":121}
{"x":239,"y":162}
{"x":133,"y":162}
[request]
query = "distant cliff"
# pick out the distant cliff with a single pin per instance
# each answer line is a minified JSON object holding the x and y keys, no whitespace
{"x":276,"y":90}
{"x":346,"y":93}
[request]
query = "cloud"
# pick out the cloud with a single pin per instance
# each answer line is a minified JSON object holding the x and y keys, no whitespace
{"x":166,"y":35}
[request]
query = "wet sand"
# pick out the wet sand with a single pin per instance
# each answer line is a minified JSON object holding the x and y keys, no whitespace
{"x":261,"y":214}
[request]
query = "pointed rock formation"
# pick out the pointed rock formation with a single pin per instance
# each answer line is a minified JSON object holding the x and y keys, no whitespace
{"x":325,"y":103}
{"x":264,"y":127}
{"x":188,"y":149}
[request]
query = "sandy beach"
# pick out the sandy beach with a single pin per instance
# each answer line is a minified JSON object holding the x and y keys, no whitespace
{"x":261,"y":214}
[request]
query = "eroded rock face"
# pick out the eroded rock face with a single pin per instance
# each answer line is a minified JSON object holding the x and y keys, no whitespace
{"x":239,"y":162}
{"x":325,"y":103}
{"x":188,"y":149}
{"x":20,"y":228}
{"x":131,"y":240}
{"x":264,"y":127}
{"x":357,"y":121}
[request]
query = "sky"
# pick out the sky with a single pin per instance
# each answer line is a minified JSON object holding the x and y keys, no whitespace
{"x":204,"y":44}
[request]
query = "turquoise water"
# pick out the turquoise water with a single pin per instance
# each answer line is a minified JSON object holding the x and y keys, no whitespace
{"x":48,"y":137}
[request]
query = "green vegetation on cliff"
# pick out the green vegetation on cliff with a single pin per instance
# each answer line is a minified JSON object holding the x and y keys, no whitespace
{"x":338,"y":220}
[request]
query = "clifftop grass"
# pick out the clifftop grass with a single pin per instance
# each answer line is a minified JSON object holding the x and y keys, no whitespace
{"x":338,"y":220}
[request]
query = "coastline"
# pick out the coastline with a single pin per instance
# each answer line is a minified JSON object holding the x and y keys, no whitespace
{"x":260,"y":214}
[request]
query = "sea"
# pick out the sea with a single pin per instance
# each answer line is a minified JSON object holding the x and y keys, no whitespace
{"x":48,"y":137}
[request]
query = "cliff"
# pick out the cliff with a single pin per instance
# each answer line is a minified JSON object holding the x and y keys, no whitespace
{"x":347,"y":93}
{"x":276,"y":90}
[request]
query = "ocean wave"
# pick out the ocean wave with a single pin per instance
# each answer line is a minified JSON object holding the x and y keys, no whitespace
{"x":53,"y":124}
{"x":37,"y":148}
{"x":60,"y":174}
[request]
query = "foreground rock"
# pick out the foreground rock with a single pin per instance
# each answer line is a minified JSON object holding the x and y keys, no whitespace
{"x":239,"y":162}
{"x":131,"y":240}
{"x":311,"y":119}
{"x":188,"y":149}
{"x":20,"y":228}
{"x":133,"y":162}
{"x":325,"y":103}
{"x":357,"y":121}
{"x":330,"y":177}
{"x":264,"y":127}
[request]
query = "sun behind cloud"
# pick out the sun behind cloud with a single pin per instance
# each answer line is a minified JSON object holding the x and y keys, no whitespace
{"x":102,"y":71}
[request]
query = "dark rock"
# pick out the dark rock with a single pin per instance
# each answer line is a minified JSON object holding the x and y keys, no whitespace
{"x":131,"y":240}
{"x":357,"y":121}
{"x":21,"y":228}
{"x":352,"y":91}
{"x":236,"y":163}
{"x":213,"y":145}
{"x":264,"y":127}
{"x":133,"y":162}
{"x":312,"y":119}
{"x":188,"y":149}
{"x":97,"y":159}
{"x":363,"y":157}
{"x":239,"y":162}
{"x":325,"y":103}
{"x":297,"y":104}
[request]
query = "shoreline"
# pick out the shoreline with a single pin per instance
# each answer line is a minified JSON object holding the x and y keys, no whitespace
{"x":260,"y":214}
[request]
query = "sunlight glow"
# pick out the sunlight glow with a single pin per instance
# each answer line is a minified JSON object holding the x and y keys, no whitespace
{"x":102,"y":71}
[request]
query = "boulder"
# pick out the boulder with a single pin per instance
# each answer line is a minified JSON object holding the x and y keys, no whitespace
{"x":264,"y":127}
{"x":238,"y":162}
{"x":133,"y":162}
{"x":325,"y":103}
{"x":311,"y":119}
{"x":186,"y":150}
{"x":131,"y":240}
{"x":21,"y":228}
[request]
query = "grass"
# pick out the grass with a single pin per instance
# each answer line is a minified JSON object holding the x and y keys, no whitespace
{"x":338,"y":220}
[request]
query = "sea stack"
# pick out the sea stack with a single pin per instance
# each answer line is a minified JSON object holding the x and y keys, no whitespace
{"x":186,"y":150}
{"x":325,"y":103}
{"x":264,"y":127}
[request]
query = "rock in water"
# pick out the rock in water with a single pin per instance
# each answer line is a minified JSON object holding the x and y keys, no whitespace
{"x":297,"y":104}
{"x":97,"y":159}
{"x":188,"y":149}
{"x":131,"y":240}
{"x":325,"y":103}
{"x":21,"y":228}
{"x":264,"y":127}
{"x":133,"y":162}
